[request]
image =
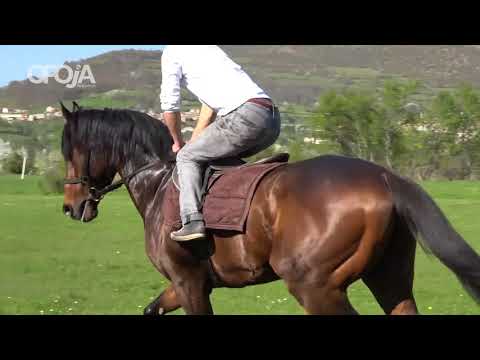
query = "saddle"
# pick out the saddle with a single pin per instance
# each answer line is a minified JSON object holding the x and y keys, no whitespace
{"x":228,"y":189}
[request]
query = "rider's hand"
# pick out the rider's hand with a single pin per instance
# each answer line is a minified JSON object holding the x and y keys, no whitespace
{"x":177,"y":146}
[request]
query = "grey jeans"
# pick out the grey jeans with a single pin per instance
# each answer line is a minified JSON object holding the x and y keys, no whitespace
{"x":243,"y":132}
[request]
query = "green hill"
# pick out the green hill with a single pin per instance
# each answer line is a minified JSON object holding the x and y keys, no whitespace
{"x":293,"y":73}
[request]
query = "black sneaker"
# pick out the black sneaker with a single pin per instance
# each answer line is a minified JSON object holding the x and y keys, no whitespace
{"x":193,"y":230}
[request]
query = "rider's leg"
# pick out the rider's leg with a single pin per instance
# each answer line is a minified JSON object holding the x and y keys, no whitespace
{"x":267,"y":141}
{"x":250,"y":127}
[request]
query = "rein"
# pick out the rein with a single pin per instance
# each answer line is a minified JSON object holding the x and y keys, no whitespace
{"x":97,"y":194}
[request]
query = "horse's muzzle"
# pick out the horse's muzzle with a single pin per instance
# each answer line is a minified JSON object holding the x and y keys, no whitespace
{"x":67,"y":210}
{"x":86,"y":211}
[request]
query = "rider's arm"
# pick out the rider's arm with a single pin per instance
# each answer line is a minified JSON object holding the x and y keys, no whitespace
{"x":207,"y":115}
{"x":170,"y":95}
{"x":173,"y":121}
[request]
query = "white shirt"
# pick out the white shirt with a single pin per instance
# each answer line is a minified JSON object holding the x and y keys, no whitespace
{"x":208,"y":72}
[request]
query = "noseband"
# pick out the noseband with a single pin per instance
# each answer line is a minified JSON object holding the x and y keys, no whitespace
{"x":97,"y":194}
{"x":94,"y":193}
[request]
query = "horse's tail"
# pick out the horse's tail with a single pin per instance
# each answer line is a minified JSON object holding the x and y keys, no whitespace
{"x":437,"y":235}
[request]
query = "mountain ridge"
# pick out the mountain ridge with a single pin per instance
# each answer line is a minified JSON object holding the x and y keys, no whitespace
{"x":292,"y":73}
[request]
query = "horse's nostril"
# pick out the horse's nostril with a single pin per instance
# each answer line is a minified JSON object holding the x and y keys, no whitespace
{"x":67,"y":210}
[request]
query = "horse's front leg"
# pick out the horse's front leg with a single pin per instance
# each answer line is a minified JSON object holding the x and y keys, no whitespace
{"x":194,"y":299}
{"x":165,"y":302}
{"x":193,"y":288}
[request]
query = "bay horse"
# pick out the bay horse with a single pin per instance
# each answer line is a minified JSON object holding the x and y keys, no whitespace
{"x":319,"y":224}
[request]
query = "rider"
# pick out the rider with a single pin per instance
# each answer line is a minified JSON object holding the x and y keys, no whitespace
{"x":237,"y":119}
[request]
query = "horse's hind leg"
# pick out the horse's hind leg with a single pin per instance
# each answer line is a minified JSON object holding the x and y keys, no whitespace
{"x":391,"y":279}
{"x":165,"y":302}
{"x":326,"y":292}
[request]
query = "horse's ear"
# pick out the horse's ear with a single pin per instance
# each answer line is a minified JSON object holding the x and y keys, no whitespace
{"x":76,"y":107}
{"x":66,"y":113}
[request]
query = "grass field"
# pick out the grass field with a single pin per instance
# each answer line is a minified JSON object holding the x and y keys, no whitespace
{"x":50,"y":264}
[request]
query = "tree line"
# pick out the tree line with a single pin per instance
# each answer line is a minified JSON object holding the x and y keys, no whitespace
{"x":436,"y":138}
{"x":394,"y":125}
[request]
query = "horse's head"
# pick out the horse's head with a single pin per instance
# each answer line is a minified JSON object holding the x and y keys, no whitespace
{"x":97,"y":144}
{"x":87,"y":170}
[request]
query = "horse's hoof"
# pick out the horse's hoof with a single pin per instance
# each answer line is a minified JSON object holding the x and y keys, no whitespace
{"x":149,"y":311}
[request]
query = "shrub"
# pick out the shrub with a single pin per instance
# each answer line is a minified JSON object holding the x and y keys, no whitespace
{"x":52,"y":180}
{"x":13,"y":163}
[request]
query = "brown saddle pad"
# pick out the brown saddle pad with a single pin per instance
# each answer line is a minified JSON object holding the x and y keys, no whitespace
{"x":228,"y":198}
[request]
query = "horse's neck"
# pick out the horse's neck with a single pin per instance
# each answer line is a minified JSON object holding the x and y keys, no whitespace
{"x":147,"y":187}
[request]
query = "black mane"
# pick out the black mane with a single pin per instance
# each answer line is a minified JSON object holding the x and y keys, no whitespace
{"x":116,"y":135}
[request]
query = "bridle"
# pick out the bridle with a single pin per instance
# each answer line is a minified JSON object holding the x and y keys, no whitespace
{"x":95,"y":194}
